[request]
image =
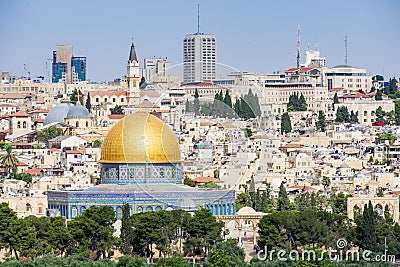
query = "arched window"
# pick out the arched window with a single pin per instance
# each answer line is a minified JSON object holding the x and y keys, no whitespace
{"x":24,"y":125}
{"x":118,"y":213}
{"x":74,"y":211}
{"x":28,"y":207}
{"x":77,"y":124}
{"x":19,"y":125}
{"x":87,"y":124}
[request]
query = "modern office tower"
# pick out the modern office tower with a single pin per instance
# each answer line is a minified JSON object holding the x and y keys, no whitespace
{"x":67,"y":68}
{"x":155,"y":67}
{"x":199,"y":57}
{"x":78,"y":69}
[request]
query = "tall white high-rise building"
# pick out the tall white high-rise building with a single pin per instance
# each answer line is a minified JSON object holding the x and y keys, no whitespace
{"x":199,"y":57}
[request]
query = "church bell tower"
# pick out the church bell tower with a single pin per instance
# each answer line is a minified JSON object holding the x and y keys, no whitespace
{"x":133,"y":77}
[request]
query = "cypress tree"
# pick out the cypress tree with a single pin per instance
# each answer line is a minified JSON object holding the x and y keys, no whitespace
{"x":366,"y":228}
{"x":88,"y":104}
{"x":266,"y":201}
{"x":227,"y":99}
{"x":286,"y":125}
{"x":187,"y":106}
{"x":126,"y":230}
{"x":320,"y":124}
{"x":196,"y":104}
{"x":302,"y":103}
{"x":283,"y":200}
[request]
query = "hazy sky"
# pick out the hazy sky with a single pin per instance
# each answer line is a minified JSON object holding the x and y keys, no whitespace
{"x":255,"y":36}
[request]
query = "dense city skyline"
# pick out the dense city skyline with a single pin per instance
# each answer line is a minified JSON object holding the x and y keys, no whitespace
{"x":255,"y":37}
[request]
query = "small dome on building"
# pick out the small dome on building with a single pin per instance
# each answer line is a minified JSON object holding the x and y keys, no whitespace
{"x":78,"y":112}
{"x":342,"y":66}
{"x":344,"y":165}
{"x":185,"y":203}
{"x":58,"y":113}
{"x":246,"y":211}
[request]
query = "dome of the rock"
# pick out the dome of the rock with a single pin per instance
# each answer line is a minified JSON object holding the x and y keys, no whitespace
{"x":140,"y":138}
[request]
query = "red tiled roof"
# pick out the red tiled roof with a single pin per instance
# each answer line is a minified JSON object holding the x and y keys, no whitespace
{"x":301,"y":187}
{"x":22,"y":164}
{"x":53,"y":149}
{"x":19,"y":114}
{"x":204,"y":179}
{"x":353,"y":95}
{"x":205,"y":84}
{"x":337,"y":89}
{"x":39,"y":120}
{"x":116,"y":116}
{"x":7,"y":105}
{"x":34,"y":172}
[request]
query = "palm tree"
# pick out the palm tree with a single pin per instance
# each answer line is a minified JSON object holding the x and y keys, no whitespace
{"x":9,"y":160}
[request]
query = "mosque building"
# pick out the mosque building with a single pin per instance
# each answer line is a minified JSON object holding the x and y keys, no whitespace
{"x":141,"y":166}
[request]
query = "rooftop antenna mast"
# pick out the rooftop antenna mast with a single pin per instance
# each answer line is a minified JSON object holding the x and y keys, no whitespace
{"x":198,"y":18}
{"x":345,"y":48}
{"x":298,"y":46}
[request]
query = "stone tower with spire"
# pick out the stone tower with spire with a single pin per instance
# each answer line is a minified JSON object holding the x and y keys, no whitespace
{"x":133,"y":77}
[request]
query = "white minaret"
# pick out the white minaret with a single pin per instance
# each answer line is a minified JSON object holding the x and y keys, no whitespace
{"x":133,"y":77}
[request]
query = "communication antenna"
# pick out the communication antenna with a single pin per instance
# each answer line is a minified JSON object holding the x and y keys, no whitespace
{"x":27,"y":71}
{"x":198,"y":18}
{"x":316,"y":45}
{"x":345,"y":48}
{"x":298,"y":46}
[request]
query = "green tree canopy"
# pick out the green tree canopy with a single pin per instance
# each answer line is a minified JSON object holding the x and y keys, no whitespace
{"x":117,"y":110}
{"x":49,"y":133}
{"x":321,"y":124}
{"x":342,"y":114}
{"x":92,"y":232}
{"x":286,"y":125}
{"x":297,"y":103}
{"x":283,"y":202}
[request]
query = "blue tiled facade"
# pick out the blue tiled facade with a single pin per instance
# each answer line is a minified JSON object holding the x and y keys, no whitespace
{"x":145,"y":187}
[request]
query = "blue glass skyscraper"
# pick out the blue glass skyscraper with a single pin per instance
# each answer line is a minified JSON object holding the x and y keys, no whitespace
{"x":67,"y":68}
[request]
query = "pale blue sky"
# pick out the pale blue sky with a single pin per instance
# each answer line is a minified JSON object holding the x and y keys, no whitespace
{"x":254,"y":36}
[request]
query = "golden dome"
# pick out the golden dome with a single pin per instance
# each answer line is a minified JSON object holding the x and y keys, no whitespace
{"x":140,"y":138}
